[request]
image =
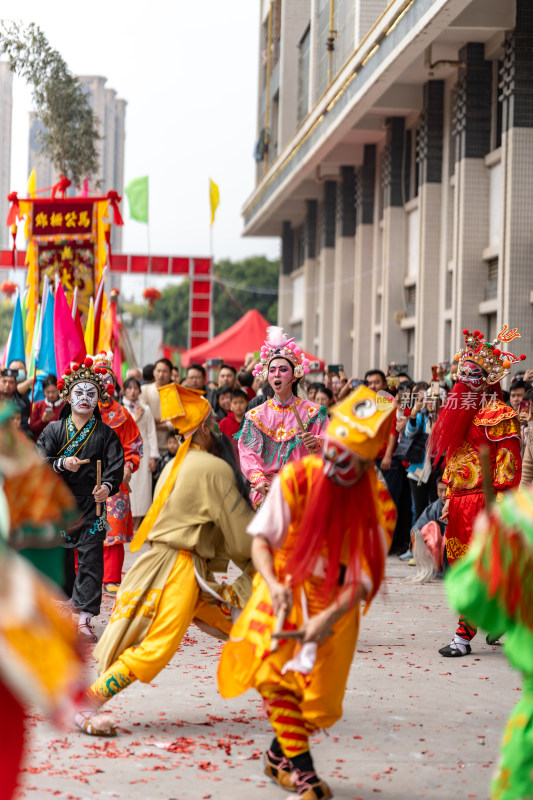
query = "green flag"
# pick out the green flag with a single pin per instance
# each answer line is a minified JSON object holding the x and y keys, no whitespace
{"x":137,"y":194}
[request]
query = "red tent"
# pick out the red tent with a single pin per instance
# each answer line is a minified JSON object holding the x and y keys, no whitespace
{"x":246,"y":336}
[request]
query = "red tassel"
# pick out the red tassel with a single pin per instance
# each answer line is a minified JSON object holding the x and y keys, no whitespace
{"x":114,"y":199}
{"x":61,"y":186}
{"x":14,"y":211}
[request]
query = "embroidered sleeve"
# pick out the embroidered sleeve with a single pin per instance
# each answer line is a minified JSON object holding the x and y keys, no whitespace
{"x":273,"y":518}
{"x":508,"y":465}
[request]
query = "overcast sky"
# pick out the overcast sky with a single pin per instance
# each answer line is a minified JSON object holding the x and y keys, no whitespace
{"x":188,"y":71}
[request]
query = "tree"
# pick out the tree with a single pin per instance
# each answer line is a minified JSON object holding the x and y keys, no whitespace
{"x":239,"y":287}
{"x":6,"y":320}
{"x":70,"y":132}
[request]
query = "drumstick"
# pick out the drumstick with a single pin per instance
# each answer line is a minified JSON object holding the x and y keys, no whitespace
{"x":98,"y":485}
{"x":486,"y":473}
{"x":278,"y":627}
{"x":84,"y":461}
{"x":298,"y":419}
{"x":286,"y":635}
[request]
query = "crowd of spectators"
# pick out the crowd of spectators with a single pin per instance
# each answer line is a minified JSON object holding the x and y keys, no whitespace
{"x":412,"y":481}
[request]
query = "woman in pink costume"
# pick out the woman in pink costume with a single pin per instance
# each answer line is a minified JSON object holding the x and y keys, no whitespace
{"x":270,"y":436}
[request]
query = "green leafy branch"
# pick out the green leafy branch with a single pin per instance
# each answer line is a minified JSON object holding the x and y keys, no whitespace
{"x":70,"y":131}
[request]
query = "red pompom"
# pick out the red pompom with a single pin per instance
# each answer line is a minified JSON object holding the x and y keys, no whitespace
{"x":523,"y":357}
{"x":110,"y":389}
{"x":466,"y":331}
{"x":497,"y":352}
{"x":75,"y":366}
{"x":88,"y":362}
{"x":60,"y":385}
{"x":68,"y":372}
{"x":477,"y":333}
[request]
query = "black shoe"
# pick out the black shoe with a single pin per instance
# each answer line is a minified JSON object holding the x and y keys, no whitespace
{"x":452,"y":650}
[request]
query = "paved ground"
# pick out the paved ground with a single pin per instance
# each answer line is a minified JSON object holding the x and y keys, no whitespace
{"x":415,"y":725}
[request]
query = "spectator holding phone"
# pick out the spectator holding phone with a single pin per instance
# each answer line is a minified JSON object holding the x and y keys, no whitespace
{"x":525,"y":415}
{"x":517,"y":391}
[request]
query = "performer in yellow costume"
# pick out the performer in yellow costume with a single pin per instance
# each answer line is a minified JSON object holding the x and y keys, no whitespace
{"x":196,"y":524}
{"x":320,"y":544}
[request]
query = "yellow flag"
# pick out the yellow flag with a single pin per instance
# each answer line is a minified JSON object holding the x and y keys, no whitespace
{"x":214,"y":199}
{"x":89,"y":329}
{"x":31,"y":187}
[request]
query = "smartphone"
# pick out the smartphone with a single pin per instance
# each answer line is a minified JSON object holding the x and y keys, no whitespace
{"x":214,"y":362}
{"x":314,"y":366}
{"x":257,"y":355}
{"x":395,"y":369}
{"x":335,"y":368}
{"x":525,"y":405}
{"x":355,"y":382}
{"x":435,"y":388}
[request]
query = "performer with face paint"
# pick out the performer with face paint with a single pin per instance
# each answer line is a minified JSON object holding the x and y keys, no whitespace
{"x":475,"y":416}
{"x":270,"y":436}
{"x":320,"y":543}
{"x":77,"y":436}
{"x":196,"y":523}
{"x":119,"y":518}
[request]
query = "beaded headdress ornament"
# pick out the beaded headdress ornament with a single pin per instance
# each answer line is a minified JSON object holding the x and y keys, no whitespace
{"x":496,"y":363}
{"x":84,"y":373}
{"x":278,"y":345}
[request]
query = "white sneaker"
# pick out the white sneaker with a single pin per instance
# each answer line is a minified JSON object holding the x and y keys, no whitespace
{"x":406,"y":556}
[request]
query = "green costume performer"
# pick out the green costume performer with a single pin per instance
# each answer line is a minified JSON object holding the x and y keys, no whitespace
{"x":493,"y":586}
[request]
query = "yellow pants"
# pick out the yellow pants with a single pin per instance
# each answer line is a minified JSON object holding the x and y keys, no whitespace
{"x":179,"y":603}
{"x":246,"y":662}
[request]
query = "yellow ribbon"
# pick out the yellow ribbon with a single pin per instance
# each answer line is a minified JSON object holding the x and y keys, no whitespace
{"x":146,"y":526}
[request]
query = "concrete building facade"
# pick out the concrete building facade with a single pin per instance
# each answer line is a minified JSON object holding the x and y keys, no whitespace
{"x":6,"y":107}
{"x":110,"y":111}
{"x":395,"y":162}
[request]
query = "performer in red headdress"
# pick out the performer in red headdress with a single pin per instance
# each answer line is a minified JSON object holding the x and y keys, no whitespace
{"x":473,"y":417}
{"x":119,"y":516}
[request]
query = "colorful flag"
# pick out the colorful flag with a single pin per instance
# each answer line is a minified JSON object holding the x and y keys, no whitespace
{"x":16,"y":350}
{"x":45,"y":357}
{"x":89,"y":328}
{"x":69,"y":345}
{"x":31,"y":187}
{"x":99,"y":307}
{"x":214,"y":199}
{"x":137,"y":194}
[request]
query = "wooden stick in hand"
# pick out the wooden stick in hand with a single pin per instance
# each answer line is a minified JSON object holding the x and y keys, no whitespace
{"x":84,"y":460}
{"x":98,"y":485}
{"x":298,"y":419}
{"x":486,"y":473}
{"x":278,"y":627}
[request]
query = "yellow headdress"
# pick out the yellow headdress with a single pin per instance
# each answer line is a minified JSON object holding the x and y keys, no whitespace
{"x":362,"y":422}
{"x":186,"y":409}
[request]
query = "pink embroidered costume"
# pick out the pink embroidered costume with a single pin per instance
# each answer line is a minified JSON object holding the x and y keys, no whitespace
{"x":270,"y":436}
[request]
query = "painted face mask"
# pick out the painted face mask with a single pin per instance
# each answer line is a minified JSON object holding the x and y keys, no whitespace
{"x":340,"y":464}
{"x":280,"y":374}
{"x":472,"y":375}
{"x":84,"y":396}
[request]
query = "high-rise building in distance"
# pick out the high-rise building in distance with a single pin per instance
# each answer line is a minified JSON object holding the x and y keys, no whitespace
{"x":6,"y":105}
{"x":110,"y":111}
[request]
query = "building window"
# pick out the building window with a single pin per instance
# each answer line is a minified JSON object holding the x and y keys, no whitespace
{"x":322,"y":51}
{"x":410,"y":351}
{"x":304,"y":55}
{"x":491,"y":287}
{"x":496,"y":108}
{"x":345,"y":28}
{"x":491,"y":326}
{"x":410,"y":301}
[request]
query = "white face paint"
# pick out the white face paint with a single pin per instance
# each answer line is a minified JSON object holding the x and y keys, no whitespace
{"x":84,"y":397}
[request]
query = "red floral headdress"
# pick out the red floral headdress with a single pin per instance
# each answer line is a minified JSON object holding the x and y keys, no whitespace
{"x":84,"y":373}
{"x":496,"y":363}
